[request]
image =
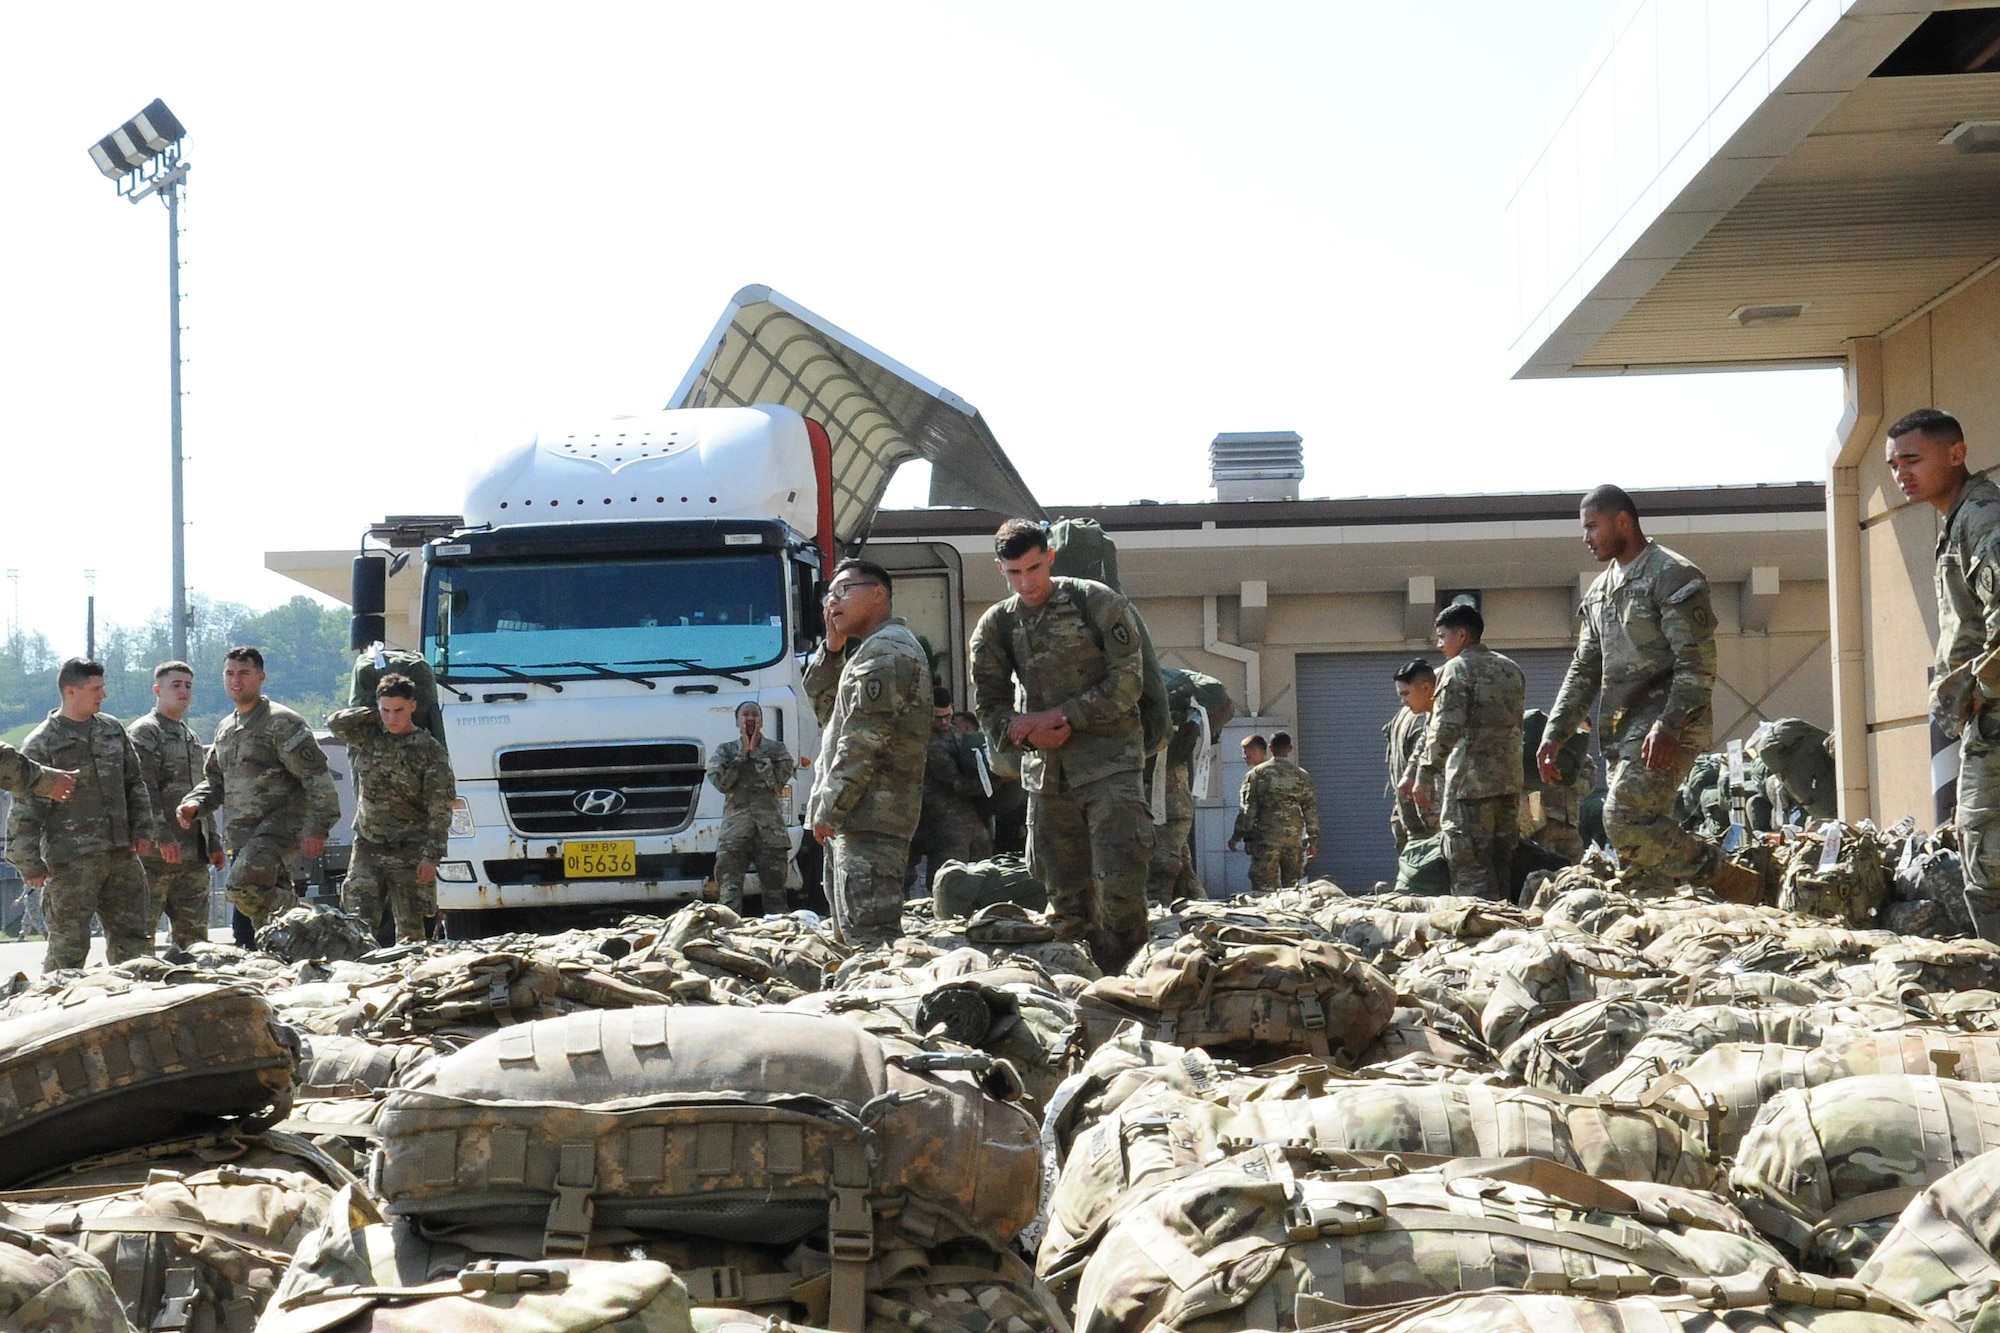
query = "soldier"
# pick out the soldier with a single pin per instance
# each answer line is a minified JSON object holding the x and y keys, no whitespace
{"x":1278,"y":816}
{"x":1472,"y":750}
{"x":1416,"y":685}
{"x":1926,"y":453}
{"x":403,"y":794}
{"x":951,"y":827}
{"x":1559,"y":828}
{"x":83,"y":852}
{"x":1072,"y":647}
{"x":1645,"y":654}
{"x":270,"y":773}
{"x":868,"y":683}
{"x":170,"y":759}
{"x":750,"y":772}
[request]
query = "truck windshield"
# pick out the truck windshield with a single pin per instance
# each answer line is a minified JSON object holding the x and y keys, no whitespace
{"x":650,"y":615}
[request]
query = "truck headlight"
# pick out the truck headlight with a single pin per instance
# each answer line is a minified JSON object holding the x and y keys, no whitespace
{"x":461,"y":823}
{"x":455,"y":872}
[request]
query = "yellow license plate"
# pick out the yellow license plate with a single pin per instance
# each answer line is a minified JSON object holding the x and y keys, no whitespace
{"x":615,"y":859}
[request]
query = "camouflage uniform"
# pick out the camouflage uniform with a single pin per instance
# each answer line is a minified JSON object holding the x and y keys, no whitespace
{"x":1277,"y":815}
{"x":1646,"y":644}
{"x":84,"y":845}
{"x":753,"y":825}
{"x":403,"y":793}
{"x":951,"y":827}
{"x":1968,"y":598}
{"x":1090,"y":835}
{"x":874,"y":703}
{"x":170,"y":759}
{"x":1474,"y":745}
{"x":269,"y":772}
{"x":1170,"y":875}
{"x":1559,"y":827}
{"x":1404,"y":737}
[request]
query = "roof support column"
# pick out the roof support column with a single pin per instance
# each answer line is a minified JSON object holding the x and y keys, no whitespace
{"x":1854,"y":438}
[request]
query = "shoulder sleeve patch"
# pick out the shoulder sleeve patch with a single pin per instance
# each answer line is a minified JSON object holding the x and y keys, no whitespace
{"x":1687,"y":591}
{"x":299,"y":737}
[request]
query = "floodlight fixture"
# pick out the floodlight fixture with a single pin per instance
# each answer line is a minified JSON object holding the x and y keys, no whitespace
{"x":143,"y":157}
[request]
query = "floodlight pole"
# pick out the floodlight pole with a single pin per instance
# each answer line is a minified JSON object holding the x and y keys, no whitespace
{"x":180,"y":613}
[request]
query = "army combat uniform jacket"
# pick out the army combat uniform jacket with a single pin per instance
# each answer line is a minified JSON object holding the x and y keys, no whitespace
{"x":1473,"y":744}
{"x":1647,"y":645}
{"x":1968,"y":601}
{"x":875,"y":702}
{"x":269,"y":773}
{"x":750,"y":784}
{"x":170,"y":759}
{"x":1277,"y":804}
{"x":109,"y":810}
{"x":1403,"y":748}
{"x":403,"y":784}
{"x":1079,"y":651}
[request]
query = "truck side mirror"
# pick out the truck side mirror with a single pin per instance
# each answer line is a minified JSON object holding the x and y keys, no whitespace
{"x":368,"y":595}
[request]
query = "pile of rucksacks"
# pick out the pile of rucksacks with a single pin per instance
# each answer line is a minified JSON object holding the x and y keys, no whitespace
{"x":1296,"y":1110}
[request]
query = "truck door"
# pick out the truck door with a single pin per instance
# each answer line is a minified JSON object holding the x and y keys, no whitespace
{"x":930,"y":596}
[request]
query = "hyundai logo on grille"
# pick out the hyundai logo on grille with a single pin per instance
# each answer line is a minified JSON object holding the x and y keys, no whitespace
{"x":599,"y":801}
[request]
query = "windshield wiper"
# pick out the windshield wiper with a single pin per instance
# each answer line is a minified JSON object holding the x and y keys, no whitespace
{"x":689,"y":665}
{"x":607,"y":672}
{"x":506,"y":671}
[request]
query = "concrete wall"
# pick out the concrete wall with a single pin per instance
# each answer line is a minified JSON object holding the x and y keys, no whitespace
{"x":1948,"y":358}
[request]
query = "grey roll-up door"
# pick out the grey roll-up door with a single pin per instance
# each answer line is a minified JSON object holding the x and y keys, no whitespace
{"x":1344,"y":700}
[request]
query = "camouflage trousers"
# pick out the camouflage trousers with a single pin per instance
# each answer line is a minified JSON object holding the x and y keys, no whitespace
{"x":1170,"y":876}
{"x":1277,"y":860}
{"x":386,"y":872}
{"x":1655,"y":854}
{"x":108,"y":885}
{"x":952,"y":835}
{"x":260,"y":880}
{"x":742,"y":848}
{"x":1978,"y":821}
{"x":1091,"y":845}
{"x":1410,"y":822}
{"x":865,"y":873}
{"x":1480,"y":835}
{"x":180,"y":893}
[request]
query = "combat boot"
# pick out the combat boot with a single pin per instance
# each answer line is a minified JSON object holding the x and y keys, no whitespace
{"x":1735,"y":883}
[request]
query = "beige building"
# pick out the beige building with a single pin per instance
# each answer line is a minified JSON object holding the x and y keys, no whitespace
{"x":1305,"y":608}
{"x":1794,"y":183}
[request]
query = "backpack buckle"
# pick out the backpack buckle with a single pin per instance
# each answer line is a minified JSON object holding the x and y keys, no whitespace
{"x":504,"y":1275}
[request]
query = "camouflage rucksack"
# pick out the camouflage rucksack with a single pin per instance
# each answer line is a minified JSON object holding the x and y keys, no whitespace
{"x":1185,"y":689}
{"x":1941,"y":1254}
{"x":1777,"y":1300}
{"x":325,"y":933}
{"x":195,"y":1251}
{"x":113,"y":1069}
{"x":51,"y":1286}
{"x":1258,"y":993}
{"x":1850,"y":890}
{"x":758,"y":1125}
{"x":1827,"y":1169}
{"x":1567,"y":1052}
{"x":358,"y":1274}
{"x":1255,"y":1242}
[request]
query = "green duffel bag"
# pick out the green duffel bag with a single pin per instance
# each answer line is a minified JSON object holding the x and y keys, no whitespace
{"x":1421,"y":867}
{"x":399,"y":662}
{"x":765,"y":1126}
{"x":1080,"y":548}
{"x":99,"y":1070}
{"x":962,"y":888}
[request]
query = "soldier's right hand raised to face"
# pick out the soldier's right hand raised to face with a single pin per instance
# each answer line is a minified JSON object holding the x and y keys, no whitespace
{"x":65,"y":783}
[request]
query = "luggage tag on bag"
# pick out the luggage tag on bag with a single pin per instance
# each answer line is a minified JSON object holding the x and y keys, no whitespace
{"x":1829,"y":856}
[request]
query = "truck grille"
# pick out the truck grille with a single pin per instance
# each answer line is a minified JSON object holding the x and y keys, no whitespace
{"x":597,"y":790}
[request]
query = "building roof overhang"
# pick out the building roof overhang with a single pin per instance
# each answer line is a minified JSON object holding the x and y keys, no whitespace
{"x":1653,"y":218}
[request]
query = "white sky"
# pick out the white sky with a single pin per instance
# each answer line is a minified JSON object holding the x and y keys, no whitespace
{"x":416,"y":232}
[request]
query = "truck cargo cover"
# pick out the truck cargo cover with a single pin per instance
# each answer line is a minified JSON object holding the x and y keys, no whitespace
{"x":878,"y":413}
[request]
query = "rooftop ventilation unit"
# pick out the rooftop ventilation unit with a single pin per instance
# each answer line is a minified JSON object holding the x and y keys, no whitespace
{"x":1257,"y":465}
